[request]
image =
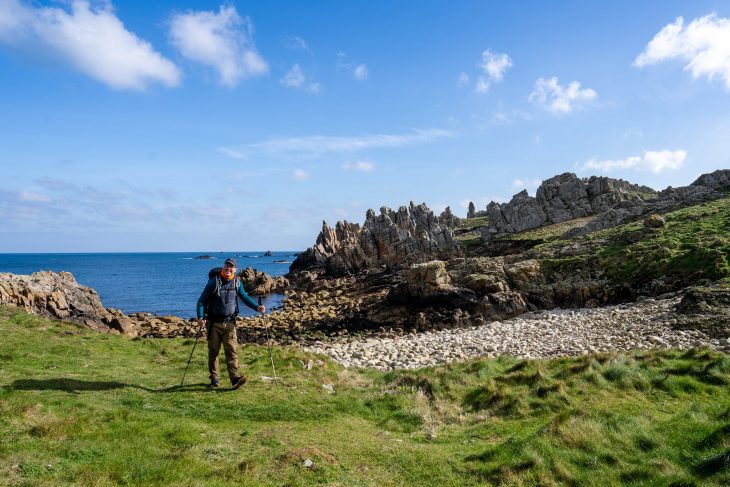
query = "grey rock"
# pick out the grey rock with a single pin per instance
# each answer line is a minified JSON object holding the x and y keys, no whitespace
{"x":394,"y":239}
{"x":56,"y":295}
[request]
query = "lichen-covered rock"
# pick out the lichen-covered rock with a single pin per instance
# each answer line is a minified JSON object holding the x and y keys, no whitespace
{"x":56,"y":295}
{"x":654,"y":221}
{"x":428,"y":278}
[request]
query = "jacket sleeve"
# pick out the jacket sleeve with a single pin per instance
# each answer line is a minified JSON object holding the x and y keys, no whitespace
{"x":245,"y":297}
{"x":204,"y":298}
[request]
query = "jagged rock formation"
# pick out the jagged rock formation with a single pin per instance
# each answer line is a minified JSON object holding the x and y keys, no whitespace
{"x":447,"y":218}
{"x":471,"y":213}
{"x":392,"y":239}
{"x":704,"y":188}
{"x":561,"y":198}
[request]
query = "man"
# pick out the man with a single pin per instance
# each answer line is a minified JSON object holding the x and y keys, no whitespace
{"x":219,"y":307}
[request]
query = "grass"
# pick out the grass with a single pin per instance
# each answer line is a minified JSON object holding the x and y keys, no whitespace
{"x":693,"y":247}
{"x":81,"y":408}
{"x":467,"y":233}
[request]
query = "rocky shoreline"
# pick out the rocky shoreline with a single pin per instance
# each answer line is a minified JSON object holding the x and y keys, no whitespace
{"x":632,"y":326}
{"x":556,"y":275}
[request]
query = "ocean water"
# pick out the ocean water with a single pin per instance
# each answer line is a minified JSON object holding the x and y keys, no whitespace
{"x":158,"y":283}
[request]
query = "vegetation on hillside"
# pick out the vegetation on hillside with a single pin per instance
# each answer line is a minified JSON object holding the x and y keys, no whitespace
{"x":81,"y":408}
{"x":693,"y":247}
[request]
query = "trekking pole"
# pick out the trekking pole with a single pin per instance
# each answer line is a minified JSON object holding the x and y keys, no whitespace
{"x":197,"y":334}
{"x":268,"y":339}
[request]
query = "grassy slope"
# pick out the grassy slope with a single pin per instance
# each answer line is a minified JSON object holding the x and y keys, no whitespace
{"x":89,"y":409}
{"x":693,"y":247}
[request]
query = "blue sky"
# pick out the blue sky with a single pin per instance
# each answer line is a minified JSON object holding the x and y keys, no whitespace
{"x":186,"y":126}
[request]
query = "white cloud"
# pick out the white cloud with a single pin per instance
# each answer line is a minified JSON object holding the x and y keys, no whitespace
{"x":361,"y":72}
{"x":92,"y":39}
{"x":463,"y":80}
{"x":316,"y":145}
{"x":33,"y":197}
{"x":526,"y":183}
{"x":558,"y":99}
{"x":362,"y":166}
{"x":704,"y":44}
{"x":358,"y":71}
{"x":482,"y":86}
{"x":654,"y":161}
{"x":298,"y":44}
{"x":493,"y":65}
{"x":294,"y":78}
{"x":634,"y":133}
{"x":300,"y":175}
{"x":232,"y":153}
{"x":222,"y":41}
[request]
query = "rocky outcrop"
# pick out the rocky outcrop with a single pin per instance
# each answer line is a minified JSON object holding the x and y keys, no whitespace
{"x":428,"y":278}
{"x":59,"y":296}
{"x":706,"y":187}
{"x":559,"y":199}
{"x":394,"y":239}
{"x":260,"y":283}
{"x":471,"y":213}
{"x":521,"y":213}
{"x":53,"y":295}
{"x":447,"y":218}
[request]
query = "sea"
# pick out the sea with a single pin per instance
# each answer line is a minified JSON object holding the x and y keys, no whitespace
{"x":165,"y":283}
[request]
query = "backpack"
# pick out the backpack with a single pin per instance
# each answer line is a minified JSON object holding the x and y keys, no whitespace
{"x":215,"y":273}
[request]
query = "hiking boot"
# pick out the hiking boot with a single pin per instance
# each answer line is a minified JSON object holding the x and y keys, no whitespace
{"x":215,"y":383}
{"x":238,"y":382}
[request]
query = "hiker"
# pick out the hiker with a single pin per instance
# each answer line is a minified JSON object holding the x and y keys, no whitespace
{"x":218,"y":306}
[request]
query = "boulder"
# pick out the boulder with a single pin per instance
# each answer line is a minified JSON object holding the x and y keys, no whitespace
{"x":260,"y":283}
{"x":428,"y":278}
{"x":56,"y":295}
{"x":654,"y":221}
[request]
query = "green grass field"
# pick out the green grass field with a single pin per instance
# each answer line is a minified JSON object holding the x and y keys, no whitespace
{"x":81,"y":408}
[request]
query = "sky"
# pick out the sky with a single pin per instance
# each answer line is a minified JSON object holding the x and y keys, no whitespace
{"x":203,"y":126}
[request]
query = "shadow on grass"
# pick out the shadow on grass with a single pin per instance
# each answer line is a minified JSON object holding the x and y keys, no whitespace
{"x":75,"y":386}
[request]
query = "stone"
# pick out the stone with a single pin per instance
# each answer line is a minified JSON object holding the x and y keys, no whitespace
{"x":654,"y":221}
{"x":259,"y":283}
{"x":471,"y":213}
{"x":428,"y":278}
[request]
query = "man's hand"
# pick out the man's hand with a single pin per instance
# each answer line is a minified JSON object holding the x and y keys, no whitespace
{"x":201,"y":321}
{"x":261,"y":308}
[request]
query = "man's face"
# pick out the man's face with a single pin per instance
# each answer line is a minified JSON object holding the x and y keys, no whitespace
{"x":229,"y":271}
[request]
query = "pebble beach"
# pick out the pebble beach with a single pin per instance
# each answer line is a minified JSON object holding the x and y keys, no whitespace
{"x":642,"y":325}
